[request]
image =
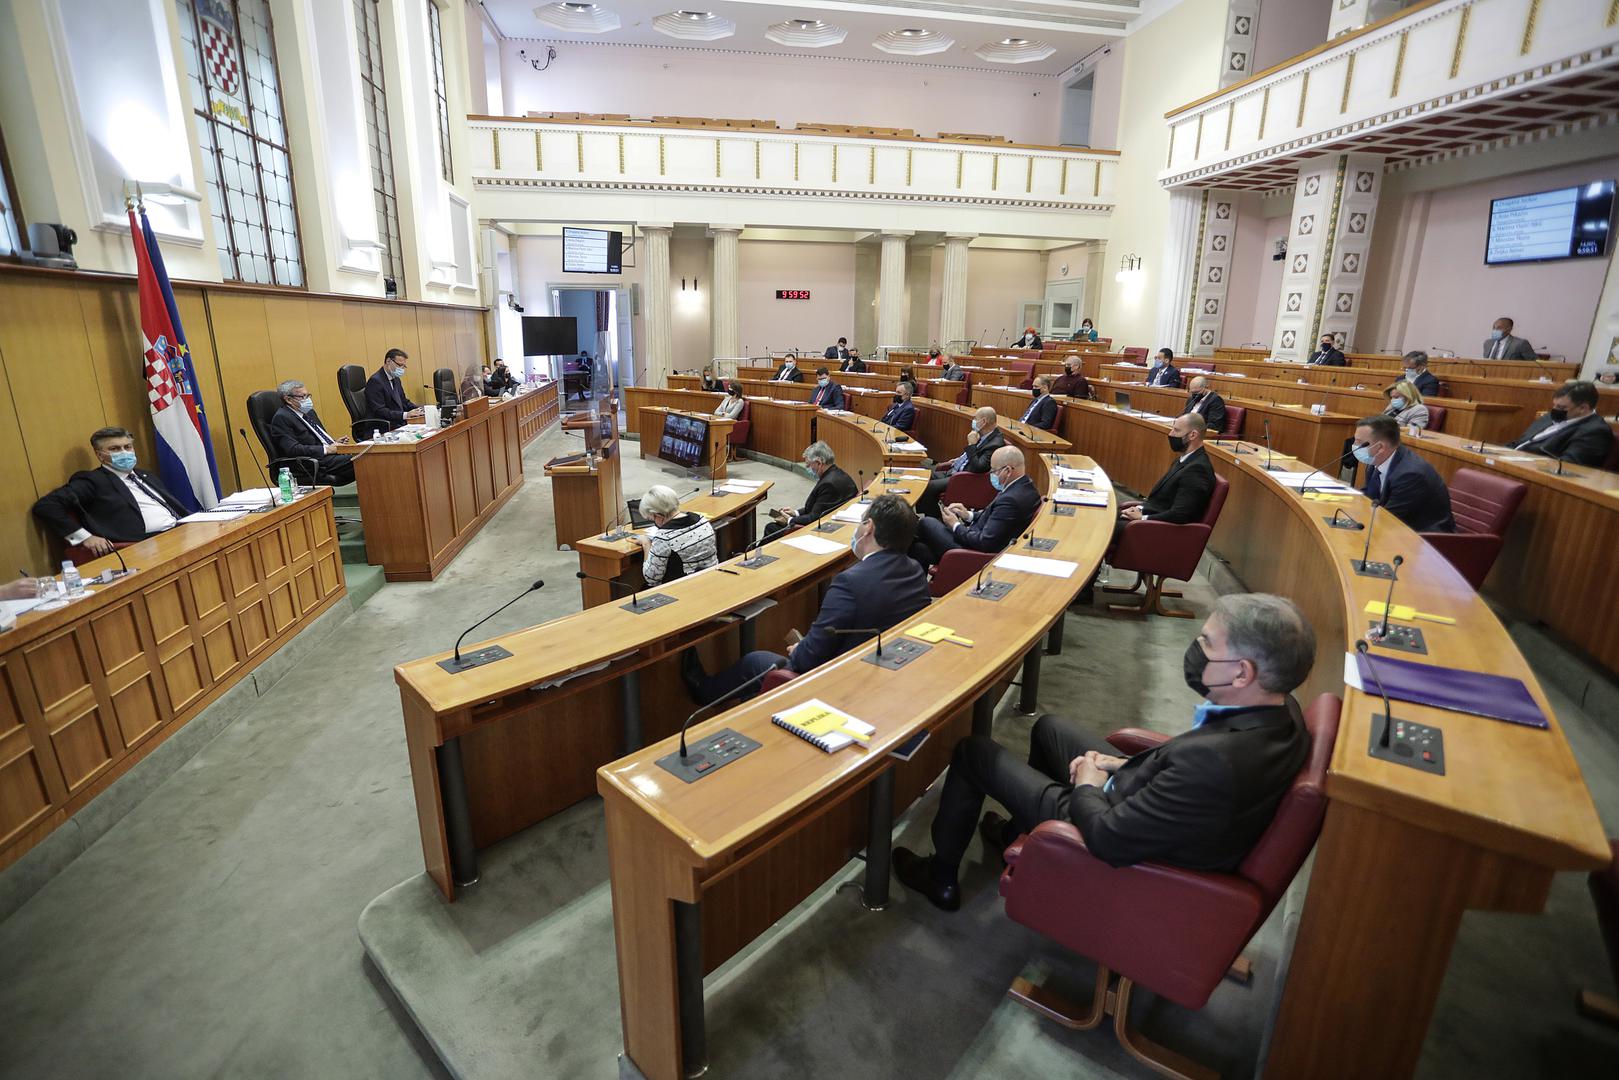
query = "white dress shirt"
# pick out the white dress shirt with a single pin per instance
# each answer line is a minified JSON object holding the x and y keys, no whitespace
{"x":155,"y":516}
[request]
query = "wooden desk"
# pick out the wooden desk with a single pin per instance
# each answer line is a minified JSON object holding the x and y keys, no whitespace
{"x":863,"y":447}
{"x":421,"y":501}
{"x":537,"y":409}
{"x":90,"y":689}
{"x":942,"y":427}
{"x":1443,"y":367}
{"x":715,"y":452}
{"x":1511,"y":811}
{"x":588,"y":496}
{"x":699,"y":870}
{"x":778,"y":428}
{"x":730,"y":513}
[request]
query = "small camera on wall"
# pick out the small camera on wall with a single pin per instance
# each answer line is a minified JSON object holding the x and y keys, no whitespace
{"x":1281,"y":250}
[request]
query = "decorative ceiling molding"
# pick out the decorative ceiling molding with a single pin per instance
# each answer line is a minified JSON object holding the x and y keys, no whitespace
{"x":806,"y":33}
{"x":578,"y":18}
{"x":694,"y":25}
{"x":793,"y":56}
{"x":1014,"y":50}
{"x":913,"y":42}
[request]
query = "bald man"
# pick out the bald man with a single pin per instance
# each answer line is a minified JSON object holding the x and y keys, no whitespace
{"x":1206,"y":403}
{"x":983,"y":439}
{"x":990,"y":529}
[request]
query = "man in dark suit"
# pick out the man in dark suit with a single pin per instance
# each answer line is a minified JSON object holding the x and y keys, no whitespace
{"x":1206,"y":403}
{"x":983,"y":439}
{"x":1201,"y":800}
{"x":1071,"y":383}
{"x":827,"y":394}
{"x":788,"y":372}
{"x":901,"y":414}
{"x":852,"y":362}
{"x":1418,"y":375}
{"x":952,"y":370}
{"x":501,"y":381}
{"x":840,"y":351}
{"x":833,"y":487}
{"x":115,"y":503}
{"x":1501,"y":345}
{"x":1043,"y":410}
{"x":296,"y":431}
{"x":882,"y":589}
{"x":1328,"y":354}
{"x":1182,"y":494}
{"x":990,"y":529}
{"x":1399,"y":480}
{"x":1163,"y":371}
{"x":1572,"y":430}
{"x":385,"y":398}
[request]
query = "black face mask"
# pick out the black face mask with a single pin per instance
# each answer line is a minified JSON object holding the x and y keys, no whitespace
{"x":1192,"y":665}
{"x":1558,"y":415}
{"x":1325,"y":345}
{"x":1177,"y":443}
{"x":1037,"y":391}
{"x":896,"y":399}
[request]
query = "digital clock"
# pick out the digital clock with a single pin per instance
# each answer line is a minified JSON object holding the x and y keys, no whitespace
{"x":792,"y":294}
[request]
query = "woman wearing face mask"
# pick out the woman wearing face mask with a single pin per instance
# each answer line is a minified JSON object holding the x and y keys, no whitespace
{"x":678,"y":543}
{"x":1405,"y":404}
{"x":905,"y":376}
{"x":1030,"y":339}
{"x":1086,"y":331}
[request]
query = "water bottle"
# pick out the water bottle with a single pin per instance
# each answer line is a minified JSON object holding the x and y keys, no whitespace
{"x":71,"y":581}
{"x":286,"y":486}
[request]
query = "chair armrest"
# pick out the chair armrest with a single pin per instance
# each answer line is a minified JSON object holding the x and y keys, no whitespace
{"x":1133,"y":740}
{"x":1161,"y":547}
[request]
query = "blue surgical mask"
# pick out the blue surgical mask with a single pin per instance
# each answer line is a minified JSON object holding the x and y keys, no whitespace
{"x":1411,"y":374}
{"x":1363,"y":454}
{"x":1497,"y":335}
{"x":306,"y":404}
{"x":1397,"y":401}
{"x":822,"y":382}
{"x":122,"y":460}
{"x":995,"y":481}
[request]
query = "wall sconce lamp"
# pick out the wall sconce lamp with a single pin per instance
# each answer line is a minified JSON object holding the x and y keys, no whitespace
{"x":683,"y":284}
{"x":1129,"y":268}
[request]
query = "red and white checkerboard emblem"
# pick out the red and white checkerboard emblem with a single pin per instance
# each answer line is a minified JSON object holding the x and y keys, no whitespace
{"x":219,"y":46}
{"x":160,"y":388}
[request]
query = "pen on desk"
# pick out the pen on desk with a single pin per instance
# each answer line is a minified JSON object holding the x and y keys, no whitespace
{"x":723,"y":570}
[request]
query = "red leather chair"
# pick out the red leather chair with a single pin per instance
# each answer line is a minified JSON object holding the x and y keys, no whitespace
{"x":1175,"y":932}
{"x":744,"y":423}
{"x":965,"y":395}
{"x":1611,"y":463}
{"x":1234,"y":415}
{"x":1023,"y":368}
{"x":957,"y":566}
{"x":1483,"y":504}
{"x":777,"y":678}
{"x":1436,"y":417}
{"x":1605,"y":894}
{"x":972,"y":490}
{"x":1157,"y":550}
{"x":1134,"y":355}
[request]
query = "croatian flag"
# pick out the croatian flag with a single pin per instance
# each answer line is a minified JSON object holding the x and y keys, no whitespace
{"x":185,"y":455}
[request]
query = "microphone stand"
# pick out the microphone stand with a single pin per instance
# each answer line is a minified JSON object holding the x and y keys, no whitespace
{"x":636,"y":605}
{"x":1362,"y":565}
{"x":489,"y":653}
{"x":262,"y":474}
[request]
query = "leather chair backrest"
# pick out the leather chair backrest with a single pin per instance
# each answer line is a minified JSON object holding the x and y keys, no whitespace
{"x":1436,"y":417}
{"x":1134,"y":353}
{"x":1233,"y":420}
{"x":972,"y":490}
{"x":1217,"y":500}
{"x":444,"y":386}
{"x":1611,"y":463}
{"x":262,"y":405}
{"x":351,"y":388}
{"x":1282,"y":848}
{"x":1025,"y":368}
{"x":1484,"y":502}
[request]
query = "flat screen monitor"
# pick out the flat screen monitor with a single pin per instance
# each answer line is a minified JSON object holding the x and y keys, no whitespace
{"x":1569,"y":223}
{"x":1122,"y":400}
{"x":550,"y":335}
{"x":592,"y":251}
{"x":684,"y":440}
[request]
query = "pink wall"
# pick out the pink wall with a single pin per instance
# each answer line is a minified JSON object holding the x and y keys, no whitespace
{"x":685,"y":82}
{"x":1289,"y":28}
{"x":826,"y":270}
{"x":1107,"y":87}
{"x":1432,"y":288}
{"x":998,"y":282}
{"x":1256,"y":280}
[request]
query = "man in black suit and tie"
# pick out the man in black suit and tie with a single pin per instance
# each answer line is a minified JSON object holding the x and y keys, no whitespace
{"x":901,"y":414}
{"x":1400,"y":481}
{"x":115,"y":503}
{"x":788,"y":372}
{"x":1206,"y":403}
{"x":1501,"y":345}
{"x":1418,"y":375}
{"x":882,"y":589}
{"x":1164,"y":372}
{"x":1328,"y":354}
{"x":1572,"y":430}
{"x":990,"y":529}
{"x":1201,"y":800}
{"x":1042,"y":410}
{"x":983,"y":439}
{"x":833,"y":487}
{"x":501,"y":380}
{"x":296,"y":431}
{"x":852,"y":362}
{"x":840,"y":351}
{"x":827,"y":394}
{"x":385,"y":397}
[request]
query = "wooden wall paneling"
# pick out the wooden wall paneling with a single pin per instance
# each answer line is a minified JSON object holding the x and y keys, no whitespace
{"x":76,"y":716}
{"x":483,"y":476}
{"x":437,"y":498}
{"x":358,"y":347}
{"x":458,"y":455}
{"x":292,"y":346}
{"x":233,"y":475}
{"x":122,"y":644}
{"x":469,"y":341}
{"x":275,"y":566}
{"x":248,"y":598}
{"x":208,"y":586}
{"x":20,"y":535}
{"x":30,"y":781}
{"x":329,"y":340}
{"x":513,"y":451}
{"x":112,"y":331}
{"x":242,"y":343}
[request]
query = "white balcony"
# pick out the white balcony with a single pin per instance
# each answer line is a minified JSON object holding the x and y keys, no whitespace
{"x":1438,"y":77}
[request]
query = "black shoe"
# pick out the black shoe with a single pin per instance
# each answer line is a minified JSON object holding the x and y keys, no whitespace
{"x":916,"y":873}
{"x":996,"y":833}
{"x":692,"y":674}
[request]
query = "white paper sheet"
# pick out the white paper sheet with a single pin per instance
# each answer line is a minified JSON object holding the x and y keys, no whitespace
{"x":218,"y":514}
{"x":857,"y":512}
{"x":737,"y":489}
{"x":815,"y":545}
{"x":249,"y":497}
{"x":1079,"y":497}
{"x":1060,"y":568}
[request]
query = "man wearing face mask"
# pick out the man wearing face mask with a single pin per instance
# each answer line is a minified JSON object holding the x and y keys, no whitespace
{"x":113,"y":504}
{"x":1042,"y":410}
{"x":990,"y":529}
{"x":1401,"y":482}
{"x":1328,"y":355}
{"x":1417,"y":374}
{"x":1200,"y":801}
{"x":788,"y":372}
{"x":833,"y":487}
{"x":1206,"y":403}
{"x":1572,"y":430}
{"x":385,"y":397}
{"x":901,"y":414}
{"x":1072,"y":382}
{"x":827,"y":394}
{"x":953,"y":371}
{"x":1501,"y":345}
{"x":296,"y":431}
{"x":983,"y":439}
{"x":882,"y":589}
{"x":1163,"y":371}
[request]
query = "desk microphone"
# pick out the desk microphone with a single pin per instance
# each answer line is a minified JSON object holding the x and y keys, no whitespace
{"x":1371,"y":523}
{"x":1270,"y":453}
{"x":1322,"y":469}
{"x":461,"y":665}
{"x":262,"y":474}
{"x":1388,"y":601}
{"x":684,"y":755}
{"x":633,"y":590}
{"x":877,"y":630}
{"x":1340,"y":520}
{"x":1388,"y":706}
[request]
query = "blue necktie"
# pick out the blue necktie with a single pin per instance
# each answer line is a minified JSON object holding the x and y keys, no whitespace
{"x":1374,"y":484}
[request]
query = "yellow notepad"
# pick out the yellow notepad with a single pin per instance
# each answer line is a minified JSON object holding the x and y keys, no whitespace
{"x":819,"y":724}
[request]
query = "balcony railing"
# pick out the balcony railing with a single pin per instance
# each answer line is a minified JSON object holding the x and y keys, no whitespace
{"x":1384,"y":88}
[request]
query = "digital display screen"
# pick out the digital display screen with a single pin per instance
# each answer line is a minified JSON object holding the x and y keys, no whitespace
{"x":1569,"y":223}
{"x":684,"y":440}
{"x":792,"y":294}
{"x":592,"y":251}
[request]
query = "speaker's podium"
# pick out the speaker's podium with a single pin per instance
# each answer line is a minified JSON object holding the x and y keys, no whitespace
{"x":587,"y":489}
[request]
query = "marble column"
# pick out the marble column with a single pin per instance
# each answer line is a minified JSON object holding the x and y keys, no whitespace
{"x":953,"y":289}
{"x":1177,"y":265}
{"x":1211,"y":275}
{"x":726,"y":330}
{"x":891,"y":291}
{"x":659,"y":321}
{"x":1324,"y":274}
{"x":1241,"y":28}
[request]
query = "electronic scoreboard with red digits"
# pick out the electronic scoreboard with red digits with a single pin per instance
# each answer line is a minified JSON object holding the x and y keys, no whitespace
{"x":792,"y":294}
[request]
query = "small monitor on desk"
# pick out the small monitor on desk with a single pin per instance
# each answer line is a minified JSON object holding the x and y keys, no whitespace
{"x":1122,"y":400}
{"x":685,"y":439}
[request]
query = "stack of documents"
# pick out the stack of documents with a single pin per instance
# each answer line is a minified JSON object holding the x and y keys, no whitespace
{"x":1316,"y":481}
{"x":909,"y":446}
{"x":1079,"y":497}
{"x":855,"y":512}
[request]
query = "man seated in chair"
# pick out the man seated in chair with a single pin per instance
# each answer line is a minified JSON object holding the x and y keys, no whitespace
{"x":385,"y":397}
{"x":983,"y":439}
{"x":296,"y":432}
{"x":1043,"y":409}
{"x":901,"y":414}
{"x":1399,"y":480}
{"x":827,"y":394}
{"x":114,"y":503}
{"x":833,"y":487}
{"x":1573,"y":430}
{"x":1200,"y":800}
{"x":500,"y":380}
{"x":990,"y":529}
{"x":882,"y":589}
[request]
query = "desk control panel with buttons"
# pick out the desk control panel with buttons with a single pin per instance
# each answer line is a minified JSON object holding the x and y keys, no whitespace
{"x":1406,"y":742}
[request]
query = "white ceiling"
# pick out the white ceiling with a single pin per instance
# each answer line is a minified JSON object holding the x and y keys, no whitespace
{"x":1073,"y":28}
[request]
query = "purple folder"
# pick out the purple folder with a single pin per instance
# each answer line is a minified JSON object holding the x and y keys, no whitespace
{"x":1495,"y":696}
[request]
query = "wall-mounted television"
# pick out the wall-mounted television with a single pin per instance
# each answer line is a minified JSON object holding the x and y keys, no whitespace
{"x":592,"y":251}
{"x":684,"y":440}
{"x":1568,"y":223}
{"x":550,"y":335}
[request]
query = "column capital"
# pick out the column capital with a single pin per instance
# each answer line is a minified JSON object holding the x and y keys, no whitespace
{"x":655,"y":226}
{"x":712,"y":229}
{"x":896,"y":234}
{"x":967,"y":236}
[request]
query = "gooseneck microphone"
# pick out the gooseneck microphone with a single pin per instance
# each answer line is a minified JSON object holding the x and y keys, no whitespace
{"x":1388,"y":601}
{"x":877,"y":630}
{"x":262,"y":473}
{"x":633,"y":590}
{"x":1270,"y":452}
{"x":1371,"y":523}
{"x":1322,"y":469}
{"x":727,"y":696}
{"x":1388,"y":706}
{"x":495,"y":653}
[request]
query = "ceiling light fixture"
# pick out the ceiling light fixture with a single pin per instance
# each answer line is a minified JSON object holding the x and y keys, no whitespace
{"x":1014,"y":50}
{"x":913,"y":41}
{"x":577,"y":18}
{"x":806,"y":33}
{"x":694,"y":25}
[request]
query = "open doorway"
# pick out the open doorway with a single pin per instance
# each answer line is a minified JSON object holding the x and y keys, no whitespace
{"x":604,"y":356}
